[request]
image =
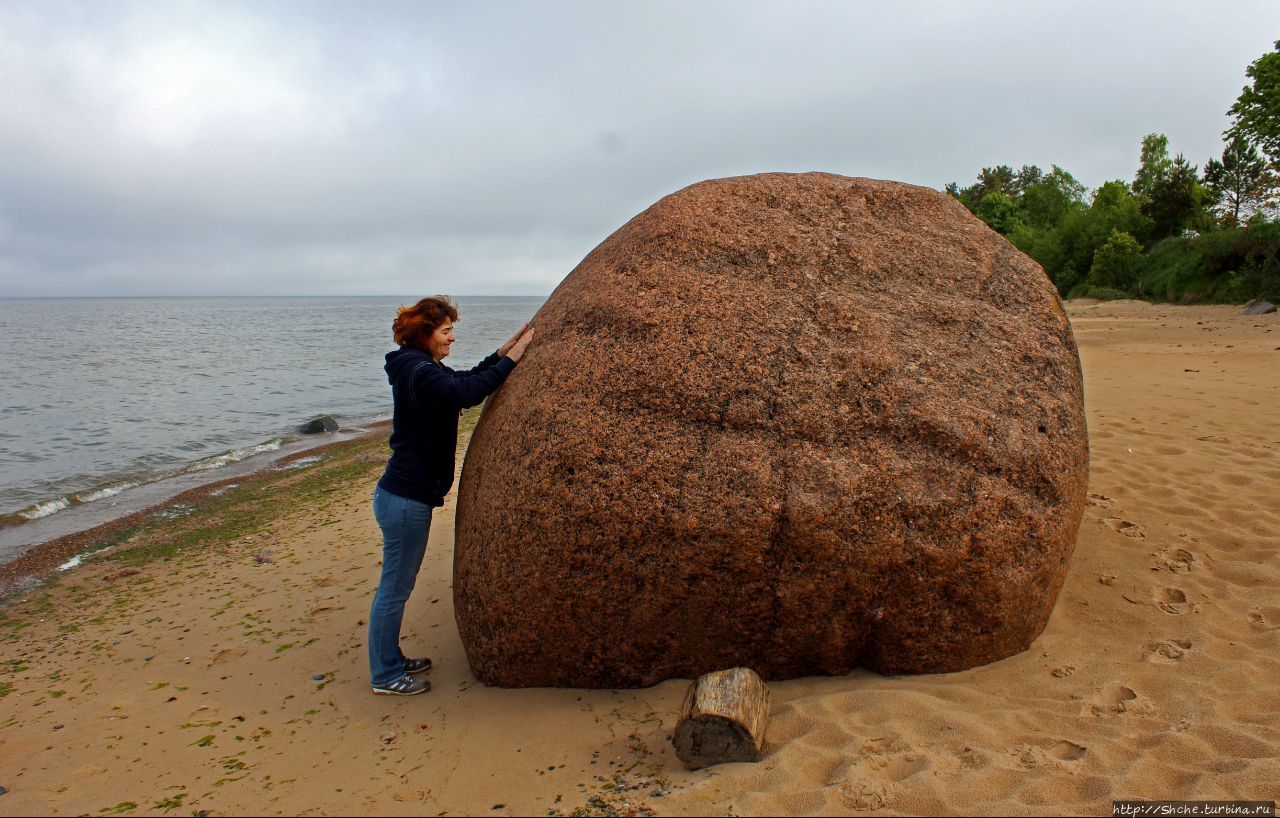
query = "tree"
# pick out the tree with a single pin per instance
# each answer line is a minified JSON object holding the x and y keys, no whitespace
{"x":969,"y":196}
{"x":1000,"y":179}
{"x":1027,"y":176}
{"x":1115,"y":207}
{"x":1169,"y":191}
{"x":1115,"y":263}
{"x":1046,"y":201}
{"x":1257,"y":110}
{"x":1241,"y":182}
{"x":1068,"y":250}
{"x":1153,"y":164}
{"x":1177,"y":200}
{"x":998,"y":211}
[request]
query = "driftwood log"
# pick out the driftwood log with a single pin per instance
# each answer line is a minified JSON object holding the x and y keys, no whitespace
{"x":723,"y":718}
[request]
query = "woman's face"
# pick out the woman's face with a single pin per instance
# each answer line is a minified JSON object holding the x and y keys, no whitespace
{"x":440,"y":341}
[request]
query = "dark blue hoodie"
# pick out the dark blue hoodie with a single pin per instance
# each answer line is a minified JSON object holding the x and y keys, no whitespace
{"x":427,"y":398}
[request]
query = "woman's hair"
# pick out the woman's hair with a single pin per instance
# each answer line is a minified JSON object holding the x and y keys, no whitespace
{"x":414,"y":325}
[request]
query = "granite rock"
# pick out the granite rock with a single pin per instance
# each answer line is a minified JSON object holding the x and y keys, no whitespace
{"x":797,"y":423}
{"x":1258,"y":308}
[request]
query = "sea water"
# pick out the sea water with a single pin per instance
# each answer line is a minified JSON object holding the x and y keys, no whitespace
{"x":103,"y":397}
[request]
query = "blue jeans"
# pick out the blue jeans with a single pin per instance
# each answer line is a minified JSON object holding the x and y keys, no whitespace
{"x":404,"y":525}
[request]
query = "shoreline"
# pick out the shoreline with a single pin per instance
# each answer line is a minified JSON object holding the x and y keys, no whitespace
{"x":124,"y":496}
{"x":42,"y":559}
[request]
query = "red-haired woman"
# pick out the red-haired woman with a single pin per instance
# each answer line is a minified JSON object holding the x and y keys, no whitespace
{"x":427,"y":398}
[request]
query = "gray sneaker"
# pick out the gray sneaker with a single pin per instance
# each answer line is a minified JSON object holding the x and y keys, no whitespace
{"x":406,"y":685}
{"x":417,"y":665}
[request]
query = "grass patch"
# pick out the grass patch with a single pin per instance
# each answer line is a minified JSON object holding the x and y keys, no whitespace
{"x":252,"y":506}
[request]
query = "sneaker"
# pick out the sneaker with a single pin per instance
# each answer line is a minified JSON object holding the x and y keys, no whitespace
{"x":417,"y":665}
{"x":406,"y":685}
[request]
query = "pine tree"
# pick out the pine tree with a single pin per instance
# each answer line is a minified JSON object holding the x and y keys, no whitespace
{"x":1241,"y":182}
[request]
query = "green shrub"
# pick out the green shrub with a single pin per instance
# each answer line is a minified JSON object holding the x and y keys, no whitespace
{"x":1224,"y":266}
{"x":1115,"y":263}
{"x":998,"y":211}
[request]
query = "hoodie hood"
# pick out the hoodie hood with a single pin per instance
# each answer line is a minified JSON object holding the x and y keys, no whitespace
{"x":399,"y":359}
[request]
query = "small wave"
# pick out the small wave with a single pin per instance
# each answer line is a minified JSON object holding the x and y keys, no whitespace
{"x":79,"y":558}
{"x":44,"y":509}
{"x":235,"y":456}
{"x":303,"y":462}
{"x":102,"y":494}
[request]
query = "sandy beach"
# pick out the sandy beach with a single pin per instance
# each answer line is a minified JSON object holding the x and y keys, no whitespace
{"x":212,"y":660}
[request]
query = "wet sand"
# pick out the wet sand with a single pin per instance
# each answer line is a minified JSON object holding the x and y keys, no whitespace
{"x":188,"y":681}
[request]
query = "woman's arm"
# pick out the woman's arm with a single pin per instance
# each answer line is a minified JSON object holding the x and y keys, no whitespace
{"x":492,"y":359}
{"x":497,"y":356}
{"x":434,"y":386}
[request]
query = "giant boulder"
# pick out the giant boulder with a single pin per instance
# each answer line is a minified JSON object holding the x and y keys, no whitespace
{"x":798,"y":423}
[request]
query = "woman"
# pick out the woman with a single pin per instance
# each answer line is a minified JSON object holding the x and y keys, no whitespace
{"x":427,"y":398}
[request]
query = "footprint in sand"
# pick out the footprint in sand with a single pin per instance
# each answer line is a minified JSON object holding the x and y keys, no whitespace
{"x":971,"y":760}
{"x":1167,"y":651}
{"x":1132,"y":530}
{"x":1035,"y":756}
{"x":861,"y":795}
{"x":1264,"y":618}
{"x":1173,"y":601}
{"x":1068,"y":751}
{"x":1114,"y":699}
{"x":1100,"y":501}
{"x":869,"y":782}
{"x":1176,"y":560}
{"x":883,"y":744}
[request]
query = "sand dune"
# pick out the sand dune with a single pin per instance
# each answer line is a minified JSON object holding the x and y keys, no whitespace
{"x":190,"y":685}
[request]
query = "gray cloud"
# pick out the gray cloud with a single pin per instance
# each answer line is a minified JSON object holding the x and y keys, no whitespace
{"x":485,"y":148}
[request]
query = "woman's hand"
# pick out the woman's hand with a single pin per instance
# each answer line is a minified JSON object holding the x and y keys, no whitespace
{"x":505,"y":348}
{"x":521,"y":344}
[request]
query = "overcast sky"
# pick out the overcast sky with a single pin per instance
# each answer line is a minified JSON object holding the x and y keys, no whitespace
{"x":170,"y":148}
